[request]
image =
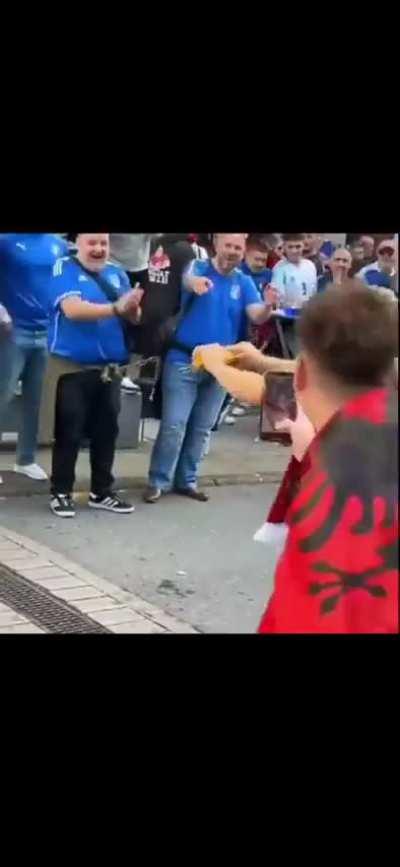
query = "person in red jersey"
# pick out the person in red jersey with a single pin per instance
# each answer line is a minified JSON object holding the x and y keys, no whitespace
{"x":339,"y":570}
{"x":335,"y":520}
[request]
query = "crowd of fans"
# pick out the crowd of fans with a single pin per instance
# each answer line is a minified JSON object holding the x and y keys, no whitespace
{"x":75,"y":309}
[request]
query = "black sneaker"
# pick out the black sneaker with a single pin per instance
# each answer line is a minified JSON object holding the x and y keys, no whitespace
{"x":193,"y":493}
{"x":152,"y":495}
{"x":110,"y":503}
{"x":63,"y":506}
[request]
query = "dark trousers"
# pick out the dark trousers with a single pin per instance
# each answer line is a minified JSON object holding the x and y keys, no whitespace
{"x":86,"y":408}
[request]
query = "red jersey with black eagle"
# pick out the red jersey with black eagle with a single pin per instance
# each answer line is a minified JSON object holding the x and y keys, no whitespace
{"x":339,"y":571}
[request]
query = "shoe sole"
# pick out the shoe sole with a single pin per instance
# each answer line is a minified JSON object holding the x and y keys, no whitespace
{"x":109,"y":509}
{"x":63,"y":514}
{"x":33,"y":478}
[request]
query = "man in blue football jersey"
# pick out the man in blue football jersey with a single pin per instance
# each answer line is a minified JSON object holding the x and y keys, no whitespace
{"x":218,"y":300}
{"x":88,"y":356}
{"x":255,"y":263}
{"x":379,"y":274}
{"x":26,"y":264}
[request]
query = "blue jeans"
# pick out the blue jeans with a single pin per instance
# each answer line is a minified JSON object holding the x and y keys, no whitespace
{"x":23,"y":356}
{"x":191,"y":403}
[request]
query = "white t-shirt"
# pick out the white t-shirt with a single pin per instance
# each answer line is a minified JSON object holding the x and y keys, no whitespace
{"x":295,"y":283}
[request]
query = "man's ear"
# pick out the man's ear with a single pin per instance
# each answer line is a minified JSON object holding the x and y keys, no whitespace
{"x":300,"y":376}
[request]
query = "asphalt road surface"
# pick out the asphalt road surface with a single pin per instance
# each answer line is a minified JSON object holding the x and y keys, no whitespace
{"x":196,"y":561}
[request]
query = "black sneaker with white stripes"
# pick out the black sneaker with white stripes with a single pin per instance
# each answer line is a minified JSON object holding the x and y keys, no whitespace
{"x":63,"y":506}
{"x":111,"y":503}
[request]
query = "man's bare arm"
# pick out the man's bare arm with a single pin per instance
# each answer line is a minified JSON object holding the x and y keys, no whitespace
{"x":247,"y":357}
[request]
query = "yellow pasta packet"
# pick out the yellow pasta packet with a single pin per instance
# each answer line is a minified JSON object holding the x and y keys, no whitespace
{"x":197,"y":363}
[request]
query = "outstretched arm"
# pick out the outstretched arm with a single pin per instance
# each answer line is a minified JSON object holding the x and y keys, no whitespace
{"x":241,"y":384}
{"x":246,"y":357}
{"x":244,"y":385}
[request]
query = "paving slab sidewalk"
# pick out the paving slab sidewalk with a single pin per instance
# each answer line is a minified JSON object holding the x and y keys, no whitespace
{"x":65,"y":581}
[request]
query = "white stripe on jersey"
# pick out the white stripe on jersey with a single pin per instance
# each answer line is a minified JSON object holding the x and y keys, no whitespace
{"x":58,"y":266}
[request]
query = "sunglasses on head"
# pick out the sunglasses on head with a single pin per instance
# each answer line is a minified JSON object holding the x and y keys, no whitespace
{"x":386,"y":251}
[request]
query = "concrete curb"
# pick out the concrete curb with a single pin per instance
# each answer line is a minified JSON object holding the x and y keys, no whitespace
{"x":20,"y":486}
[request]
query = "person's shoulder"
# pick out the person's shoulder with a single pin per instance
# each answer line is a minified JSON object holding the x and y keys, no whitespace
{"x":308,"y":265}
{"x":369,"y":266}
{"x":112,"y":269}
{"x":279,"y":270}
{"x":181,"y":252}
{"x":62,"y":266}
{"x":248,"y":285}
{"x":201,"y":267}
{"x":115,"y":275}
{"x":245,"y":279}
{"x":370,"y":271}
{"x":52,"y":238}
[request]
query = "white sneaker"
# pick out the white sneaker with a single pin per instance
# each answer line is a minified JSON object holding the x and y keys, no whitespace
{"x":239,"y":411}
{"x":229,"y":419}
{"x":33,"y":471}
{"x":128,"y":385}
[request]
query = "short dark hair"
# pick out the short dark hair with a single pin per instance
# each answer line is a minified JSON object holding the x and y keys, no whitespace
{"x":352,"y":332}
{"x":254,"y":242}
{"x":293,"y":236}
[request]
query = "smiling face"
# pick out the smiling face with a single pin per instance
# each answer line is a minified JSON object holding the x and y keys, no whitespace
{"x":93,"y":250}
{"x":229,"y":250}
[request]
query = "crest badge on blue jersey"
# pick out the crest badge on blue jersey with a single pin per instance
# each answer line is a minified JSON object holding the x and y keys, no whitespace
{"x":115,"y":281}
{"x":235,"y":292}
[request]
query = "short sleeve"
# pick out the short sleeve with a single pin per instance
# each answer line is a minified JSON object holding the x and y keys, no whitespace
{"x":251,"y":294}
{"x":64,"y":283}
{"x":125,"y":284}
{"x":196,"y":268}
{"x":313,"y":279}
{"x":277,"y":277}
